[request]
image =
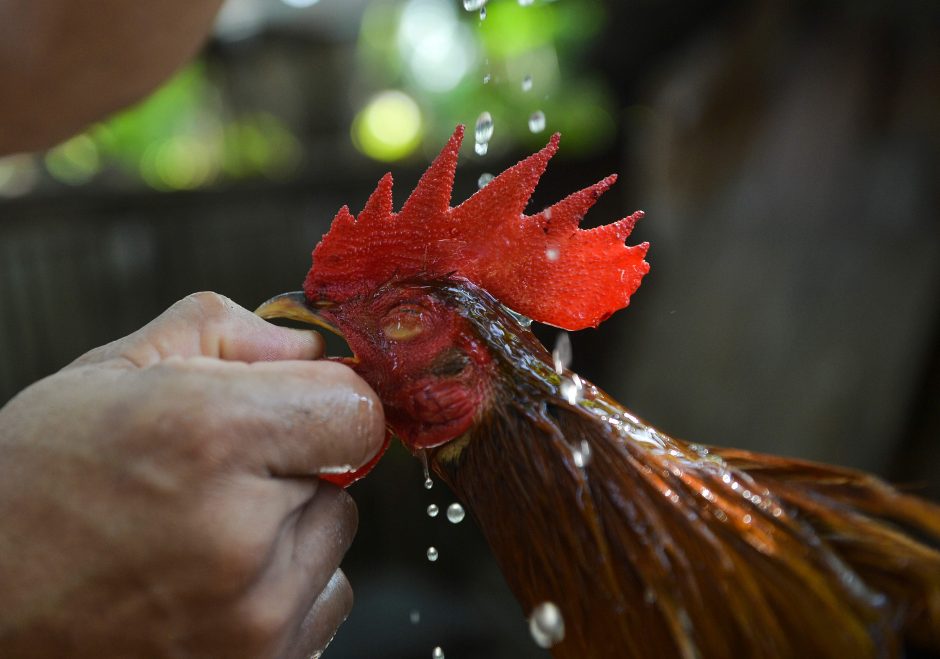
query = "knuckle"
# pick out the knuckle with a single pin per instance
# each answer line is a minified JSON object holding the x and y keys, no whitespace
{"x":206,"y":304}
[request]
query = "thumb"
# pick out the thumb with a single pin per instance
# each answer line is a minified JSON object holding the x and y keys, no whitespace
{"x":209,"y":325}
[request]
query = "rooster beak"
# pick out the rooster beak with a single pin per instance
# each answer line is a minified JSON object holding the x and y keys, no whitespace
{"x":294,"y":306}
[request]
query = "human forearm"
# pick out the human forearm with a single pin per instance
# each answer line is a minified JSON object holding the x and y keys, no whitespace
{"x":65,"y":64}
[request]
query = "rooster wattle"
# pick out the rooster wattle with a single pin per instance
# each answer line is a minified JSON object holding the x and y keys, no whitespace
{"x":650,"y":546}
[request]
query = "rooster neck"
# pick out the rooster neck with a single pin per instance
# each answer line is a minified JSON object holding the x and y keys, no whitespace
{"x":657,"y":547}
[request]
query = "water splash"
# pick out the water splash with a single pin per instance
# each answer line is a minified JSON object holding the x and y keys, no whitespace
{"x":572,"y":390}
{"x":537,"y":121}
{"x":546,"y":625}
{"x":562,"y":353}
{"x":455,"y":513}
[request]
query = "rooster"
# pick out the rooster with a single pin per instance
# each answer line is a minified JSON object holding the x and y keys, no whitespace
{"x":647,"y":545}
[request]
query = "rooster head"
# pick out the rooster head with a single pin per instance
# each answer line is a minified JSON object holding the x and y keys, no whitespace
{"x":414,"y":292}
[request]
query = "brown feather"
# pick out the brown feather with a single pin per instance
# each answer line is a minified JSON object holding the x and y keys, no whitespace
{"x":660,"y":548}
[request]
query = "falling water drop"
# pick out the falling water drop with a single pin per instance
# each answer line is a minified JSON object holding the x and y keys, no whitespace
{"x":481,"y":148}
{"x":537,"y":121}
{"x":582,"y":455}
{"x":552,"y":254}
{"x":414,"y":616}
{"x":527,"y":80}
{"x":547,"y":625}
{"x":483,"y":131}
{"x":428,"y":483}
{"x":432,"y":554}
{"x":525,"y":3}
{"x":486,"y":78}
{"x":433,"y":510}
{"x":473,"y":5}
{"x":484,"y":180}
{"x":561,"y":355}
{"x":437,"y":653}
{"x":483,"y":13}
{"x":455,"y":513}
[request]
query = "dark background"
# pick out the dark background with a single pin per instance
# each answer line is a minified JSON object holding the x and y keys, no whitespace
{"x":786,"y":155}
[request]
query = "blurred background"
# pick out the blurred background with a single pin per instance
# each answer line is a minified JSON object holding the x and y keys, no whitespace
{"x":786,"y":154}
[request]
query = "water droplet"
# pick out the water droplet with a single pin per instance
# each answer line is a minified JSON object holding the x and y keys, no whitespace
{"x":552,"y":254}
{"x":547,"y":625}
{"x":455,"y":513}
{"x":525,"y":3}
{"x":484,"y":180}
{"x":437,"y":653}
{"x":527,"y":80}
{"x":428,"y":483}
{"x":432,"y":554}
{"x":481,"y":148}
{"x":414,"y":616}
{"x":518,"y":317}
{"x":473,"y":5}
{"x":433,"y":510}
{"x":483,"y":131}
{"x":582,"y":455}
{"x":483,"y":13}
{"x":561,"y":355}
{"x":537,"y":121}
{"x":486,"y":78}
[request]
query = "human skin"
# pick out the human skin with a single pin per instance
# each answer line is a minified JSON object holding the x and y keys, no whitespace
{"x":64,"y":64}
{"x":158,"y":496}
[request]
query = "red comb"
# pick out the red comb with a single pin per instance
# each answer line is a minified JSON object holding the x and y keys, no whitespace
{"x":542,"y":266}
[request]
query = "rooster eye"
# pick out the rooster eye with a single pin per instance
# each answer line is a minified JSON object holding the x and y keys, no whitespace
{"x":403,"y":324}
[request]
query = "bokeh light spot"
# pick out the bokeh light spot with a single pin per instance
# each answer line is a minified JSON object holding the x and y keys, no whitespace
{"x":75,"y":161}
{"x":389,"y":127}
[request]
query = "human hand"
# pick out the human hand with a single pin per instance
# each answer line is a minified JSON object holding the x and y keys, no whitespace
{"x":157,"y":497}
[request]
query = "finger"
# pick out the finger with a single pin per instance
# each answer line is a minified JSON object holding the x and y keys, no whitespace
{"x":313,"y":547}
{"x":210,"y":325}
{"x":321,"y":623}
{"x":289,"y":418}
{"x":301,"y":572}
